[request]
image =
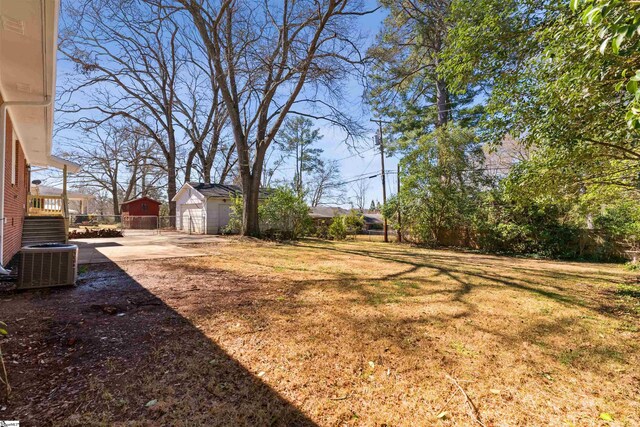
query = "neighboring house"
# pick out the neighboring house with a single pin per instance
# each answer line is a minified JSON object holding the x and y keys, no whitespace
{"x":205,"y":208}
{"x":373,"y":221}
{"x":326,"y":214}
{"x":320,"y":213}
{"x":141,"y":213}
{"x":28,"y":45}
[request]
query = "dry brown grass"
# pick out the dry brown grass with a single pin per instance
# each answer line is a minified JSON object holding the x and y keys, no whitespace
{"x":366,"y":333}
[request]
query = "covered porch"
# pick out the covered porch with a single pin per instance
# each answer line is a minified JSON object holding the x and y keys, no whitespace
{"x":44,"y":200}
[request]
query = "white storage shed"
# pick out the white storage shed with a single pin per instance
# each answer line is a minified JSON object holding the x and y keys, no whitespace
{"x":204,"y":208}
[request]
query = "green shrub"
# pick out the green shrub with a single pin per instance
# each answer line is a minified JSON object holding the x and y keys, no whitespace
{"x":525,"y":227}
{"x":353,"y":222}
{"x":283,"y":215}
{"x":321,"y":229}
{"x":337,"y":229}
{"x":235,"y":217}
{"x":621,"y":221}
{"x":632,"y":266}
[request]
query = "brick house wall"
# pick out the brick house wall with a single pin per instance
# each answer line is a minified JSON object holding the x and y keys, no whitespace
{"x":15,"y":194}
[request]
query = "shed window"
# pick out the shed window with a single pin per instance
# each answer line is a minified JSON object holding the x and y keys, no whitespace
{"x":144,"y":207}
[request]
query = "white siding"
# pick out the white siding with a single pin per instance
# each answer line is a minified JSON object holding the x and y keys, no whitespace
{"x":217,"y":215}
{"x":192,"y":218}
{"x":191,"y":212}
{"x":199,"y":215}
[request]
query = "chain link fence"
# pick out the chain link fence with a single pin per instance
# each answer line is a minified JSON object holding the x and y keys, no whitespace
{"x":376,"y":235}
{"x":127,"y":225}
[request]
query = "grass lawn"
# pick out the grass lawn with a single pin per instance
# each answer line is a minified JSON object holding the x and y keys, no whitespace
{"x":354,"y":333}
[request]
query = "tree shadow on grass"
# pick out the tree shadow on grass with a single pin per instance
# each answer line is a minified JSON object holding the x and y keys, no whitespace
{"x":443,"y":266}
{"x":109,"y":351}
{"x":448,"y":300}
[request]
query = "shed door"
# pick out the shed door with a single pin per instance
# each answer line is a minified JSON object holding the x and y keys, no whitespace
{"x":192,"y":219}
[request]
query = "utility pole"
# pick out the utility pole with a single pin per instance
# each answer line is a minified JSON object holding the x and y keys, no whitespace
{"x":398,"y":201}
{"x":382,"y":174}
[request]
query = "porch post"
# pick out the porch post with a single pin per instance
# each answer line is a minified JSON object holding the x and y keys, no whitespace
{"x":64,"y":180}
{"x":65,"y":203}
{"x":64,"y":191}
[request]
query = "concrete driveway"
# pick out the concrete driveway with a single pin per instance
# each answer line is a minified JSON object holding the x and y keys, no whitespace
{"x":140,"y":247}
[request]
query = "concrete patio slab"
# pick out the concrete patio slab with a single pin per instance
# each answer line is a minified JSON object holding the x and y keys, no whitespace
{"x":140,"y":247}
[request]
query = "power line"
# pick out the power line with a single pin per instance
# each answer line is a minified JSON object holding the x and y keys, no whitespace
{"x":337,"y":160}
{"x":339,"y":184}
{"x":355,"y":154}
{"x":363,"y":176}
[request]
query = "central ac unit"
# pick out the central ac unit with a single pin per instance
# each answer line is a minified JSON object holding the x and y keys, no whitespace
{"x":47,"y":265}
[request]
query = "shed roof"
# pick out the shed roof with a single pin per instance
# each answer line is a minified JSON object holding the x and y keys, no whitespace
{"x":221,"y":191}
{"x":216,"y":190}
{"x":148,"y":199}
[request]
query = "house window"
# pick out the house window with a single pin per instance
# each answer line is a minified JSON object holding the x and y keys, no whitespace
{"x":144,"y":207}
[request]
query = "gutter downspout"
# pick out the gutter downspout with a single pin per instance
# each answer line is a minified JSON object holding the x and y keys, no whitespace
{"x":3,"y":146}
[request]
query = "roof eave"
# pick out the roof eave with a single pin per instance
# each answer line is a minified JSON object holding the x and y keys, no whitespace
{"x":20,"y":83}
{"x":60,"y":163}
{"x":179,"y":193}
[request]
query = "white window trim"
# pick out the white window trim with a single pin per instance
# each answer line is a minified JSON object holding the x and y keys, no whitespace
{"x":14,"y":142}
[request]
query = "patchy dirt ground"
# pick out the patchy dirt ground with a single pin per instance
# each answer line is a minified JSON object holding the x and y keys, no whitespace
{"x":319,"y":333}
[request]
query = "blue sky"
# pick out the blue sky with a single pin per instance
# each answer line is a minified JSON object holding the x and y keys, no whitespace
{"x":353,"y":163}
{"x":365,"y":159}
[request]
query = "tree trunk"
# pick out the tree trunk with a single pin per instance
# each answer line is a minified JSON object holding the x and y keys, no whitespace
{"x":189,"y":166}
{"x":209,"y":158}
{"x":143,"y":179}
{"x":442,"y":103}
{"x":114,"y":197}
{"x":250,"y":192}
{"x":301,"y":191}
{"x":228,"y":165}
{"x":171,"y":188}
{"x":299,"y":165}
{"x":251,"y":189}
{"x":223,"y":175}
{"x":170,"y":155}
{"x":133,"y":183}
{"x":206,"y":172}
